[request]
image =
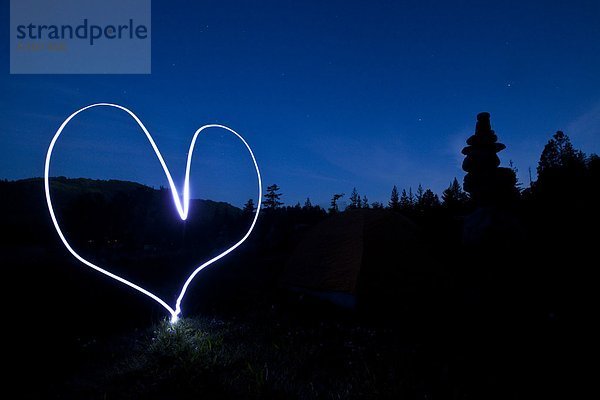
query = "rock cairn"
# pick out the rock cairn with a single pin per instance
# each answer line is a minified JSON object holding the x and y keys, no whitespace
{"x":486,"y":182}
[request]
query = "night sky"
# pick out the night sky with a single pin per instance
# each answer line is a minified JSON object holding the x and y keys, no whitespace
{"x":331,"y":95}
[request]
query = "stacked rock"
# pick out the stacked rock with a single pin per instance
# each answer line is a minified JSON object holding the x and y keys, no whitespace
{"x":485,"y":181}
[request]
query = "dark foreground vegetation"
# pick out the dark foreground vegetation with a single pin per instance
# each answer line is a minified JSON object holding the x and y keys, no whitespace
{"x":446,"y":306}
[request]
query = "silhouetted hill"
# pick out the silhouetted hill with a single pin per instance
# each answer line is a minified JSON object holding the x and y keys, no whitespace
{"x":93,"y":204}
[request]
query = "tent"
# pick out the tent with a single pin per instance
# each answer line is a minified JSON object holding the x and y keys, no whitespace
{"x":336,"y":255}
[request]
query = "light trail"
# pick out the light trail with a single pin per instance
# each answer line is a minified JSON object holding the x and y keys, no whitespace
{"x":182,"y":204}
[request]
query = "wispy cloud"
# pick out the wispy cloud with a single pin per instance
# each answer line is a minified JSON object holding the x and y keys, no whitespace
{"x":365,"y":158}
{"x":374,"y":166}
{"x":585,"y":129}
{"x":305,"y":173}
{"x":456,"y":142}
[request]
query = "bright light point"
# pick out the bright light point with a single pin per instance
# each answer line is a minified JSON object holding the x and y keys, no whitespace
{"x":181,"y":204}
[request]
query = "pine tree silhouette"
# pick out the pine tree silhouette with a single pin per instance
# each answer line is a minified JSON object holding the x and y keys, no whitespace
{"x":430,"y":200}
{"x":419,"y":195}
{"x":272,"y":197}
{"x":334,"y":209}
{"x":307,"y":204}
{"x":405,"y":203}
{"x":365,"y":202}
{"x":454,"y":197}
{"x":355,"y":202}
{"x":394,"y":202}
{"x":559,"y":153}
{"x":249,"y":207}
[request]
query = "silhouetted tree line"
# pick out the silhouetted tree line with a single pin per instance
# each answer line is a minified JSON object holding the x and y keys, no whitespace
{"x":565,"y":175}
{"x":110,"y":220}
{"x":453,"y":198}
{"x":563,"y":201}
{"x":131,"y":216}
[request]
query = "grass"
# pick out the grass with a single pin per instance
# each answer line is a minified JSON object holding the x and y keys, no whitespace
{"x":211,"y":358}
{"x":285,"y":356}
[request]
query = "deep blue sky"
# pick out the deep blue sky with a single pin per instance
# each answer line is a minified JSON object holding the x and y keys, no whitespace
{"x":330,"y":94}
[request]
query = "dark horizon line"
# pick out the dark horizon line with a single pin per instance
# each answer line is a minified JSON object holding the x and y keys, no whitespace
{"x":41,"y":178}
{"x":36,"y":178}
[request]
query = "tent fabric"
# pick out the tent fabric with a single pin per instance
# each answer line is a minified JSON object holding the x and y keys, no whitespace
{"x":330,"y":257}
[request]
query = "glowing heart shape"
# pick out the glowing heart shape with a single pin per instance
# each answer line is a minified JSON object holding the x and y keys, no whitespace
{"x":182,"y":209}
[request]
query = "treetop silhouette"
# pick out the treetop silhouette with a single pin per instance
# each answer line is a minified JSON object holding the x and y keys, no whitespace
{"x":272,"y":197}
